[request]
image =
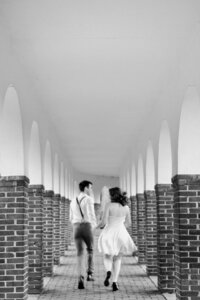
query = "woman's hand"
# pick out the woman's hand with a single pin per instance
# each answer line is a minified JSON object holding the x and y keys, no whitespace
{"x":100,"y":225}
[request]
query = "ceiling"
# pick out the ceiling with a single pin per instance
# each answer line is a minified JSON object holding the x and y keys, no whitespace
{"x":99,"y":67}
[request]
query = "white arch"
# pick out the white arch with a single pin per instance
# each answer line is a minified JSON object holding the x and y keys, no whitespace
{"x":69,"y":186}
{"x":140,"y":176}
{"x":189,"y":134}
{"x":164,"y":155}
{"x":56,"y":188}
{"x":124,"y":181}
{"x":11,"y":136}
{"x":133,"y":180}
{"x":62,"y":180}
{"x":128,"y":182}
{"x":120,"y":181}
{"x":34,"y":159}
{"x":48,"y":181}
{"x":76,"y":189}
{"x":66,"y":184}
{"x":150,"y":168}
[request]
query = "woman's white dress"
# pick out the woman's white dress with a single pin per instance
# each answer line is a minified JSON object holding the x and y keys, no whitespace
{"x":115,"y":239}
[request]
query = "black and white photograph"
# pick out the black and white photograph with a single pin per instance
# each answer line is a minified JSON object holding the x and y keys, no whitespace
{"x":99,"y":149}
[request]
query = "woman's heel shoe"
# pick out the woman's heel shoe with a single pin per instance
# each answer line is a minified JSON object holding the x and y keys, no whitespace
{"x":106,"y":281}
{"x":115,"y":286}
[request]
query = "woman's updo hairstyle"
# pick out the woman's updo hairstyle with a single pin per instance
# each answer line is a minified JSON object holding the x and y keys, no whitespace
{"x":116,"y":195}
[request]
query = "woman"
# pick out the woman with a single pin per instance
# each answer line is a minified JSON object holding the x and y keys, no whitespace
{"x":114,"y":240}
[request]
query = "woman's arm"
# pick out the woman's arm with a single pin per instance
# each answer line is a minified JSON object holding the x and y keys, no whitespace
{"x":128,"y":217}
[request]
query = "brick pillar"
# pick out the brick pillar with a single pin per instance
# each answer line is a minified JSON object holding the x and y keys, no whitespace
{"x":56,"y":228}
{"x":66,"y":224}
{"x":165,"y":237}
{"x":48,"y":233}
{"x":141,"y":228}
{"x":14,"y":237}
{"x":187,"y":236}
{"x":62,"y":226}
{"x":35,"y":239}
{"x":151,"y":233}
{"x":129,"y":229}
{"x":70,"y":229}
{"x":134,"y":222}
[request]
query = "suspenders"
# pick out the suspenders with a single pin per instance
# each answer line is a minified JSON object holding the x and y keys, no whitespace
{"x":80,"y":206}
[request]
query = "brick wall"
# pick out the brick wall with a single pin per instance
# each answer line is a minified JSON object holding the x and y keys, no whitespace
{"x":66,"y":223}
{"x":62,"y":226}
{"x":134,"y":222}
{"x":14,"y":237}
{"x":56,"y":228}
{"x":35,"y":239}
{"x":141,"y":228}
{"x":129,"y":229}
{"x":187,"y":236}
{"x":165,"y":237}
{"x":48,"y":233}
{"x":151,"y":233}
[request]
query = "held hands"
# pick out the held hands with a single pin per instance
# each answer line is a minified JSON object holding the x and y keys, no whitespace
{"x":100,"y":225}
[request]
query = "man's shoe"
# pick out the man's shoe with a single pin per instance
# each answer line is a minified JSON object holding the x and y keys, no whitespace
{"x":115,"y":286}
{"x":81,"y":283}
{"x":106,"y":281}
{"x":90,"y":277}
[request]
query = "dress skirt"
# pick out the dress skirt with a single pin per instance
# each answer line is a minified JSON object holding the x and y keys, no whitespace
{"x":115,"y":239}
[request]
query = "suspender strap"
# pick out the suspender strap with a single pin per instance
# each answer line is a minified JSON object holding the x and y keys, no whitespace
{"x":80,"y":206}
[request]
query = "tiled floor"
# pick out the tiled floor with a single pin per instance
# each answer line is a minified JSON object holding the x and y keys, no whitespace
{"x":133,"y":282}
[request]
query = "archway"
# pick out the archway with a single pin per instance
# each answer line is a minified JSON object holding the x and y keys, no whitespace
{"x":164,"y":155}
{"x":62,"y":180}
{"x":56,"y":175}
{"x":133,"y":180}
{"x":140,"y":176}
{"x":48,"y":184}
{"x":34,"y":159}
{"x":189,"y":134}
{"x":11,"y":136}
{"x":150,"y":168}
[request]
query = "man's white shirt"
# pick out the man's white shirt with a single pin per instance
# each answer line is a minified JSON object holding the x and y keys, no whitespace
{"x":87,"y":207}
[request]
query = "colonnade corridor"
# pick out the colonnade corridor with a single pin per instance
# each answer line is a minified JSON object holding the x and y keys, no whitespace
{"x":133,"y":281}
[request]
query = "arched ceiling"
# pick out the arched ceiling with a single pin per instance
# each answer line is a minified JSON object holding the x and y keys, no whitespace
{"x":99,"y":67}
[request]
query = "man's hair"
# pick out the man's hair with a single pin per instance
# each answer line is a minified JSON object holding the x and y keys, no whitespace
{"x":83,"y":184}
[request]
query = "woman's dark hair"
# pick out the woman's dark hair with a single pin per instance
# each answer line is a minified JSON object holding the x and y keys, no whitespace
{"x":83,"y":184}
{"x":116,"y":195}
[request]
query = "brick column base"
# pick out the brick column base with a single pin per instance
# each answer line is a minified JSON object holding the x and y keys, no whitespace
{"x":62,"y":226}
{"x":14,"y":237}
{"x":165,"y":237}
{"x":141,"y":228}
{"x":134,"y":222}
{"x":187,"y":232}
{"x":48,"y":234}
{"x":151,"y":233}
{"x":35,"y":239}
{"x":129,"y":229}
{"x":66,"y":223}
{"x":56,"y":228}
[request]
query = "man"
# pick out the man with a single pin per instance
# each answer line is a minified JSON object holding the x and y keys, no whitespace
{"x":83,"y":218}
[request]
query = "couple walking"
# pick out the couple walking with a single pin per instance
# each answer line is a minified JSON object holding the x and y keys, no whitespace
{"x":114,"y":240}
